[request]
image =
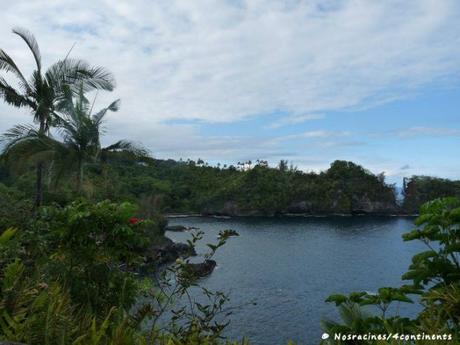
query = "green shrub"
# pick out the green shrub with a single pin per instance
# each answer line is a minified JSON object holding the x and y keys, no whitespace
{"x":15,"y":208}
{"x":434,"y":275}
{"x":69,"y":278}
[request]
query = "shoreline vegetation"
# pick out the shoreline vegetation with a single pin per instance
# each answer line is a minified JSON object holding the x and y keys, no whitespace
{"x":188,"y":188}
{"x":82,"y":227}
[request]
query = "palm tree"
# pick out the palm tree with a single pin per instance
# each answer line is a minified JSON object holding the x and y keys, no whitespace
{"x":43,"y":92}
{"x":80,"y":131}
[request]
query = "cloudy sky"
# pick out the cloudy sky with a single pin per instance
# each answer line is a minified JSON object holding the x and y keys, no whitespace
{"x":375,"y":82}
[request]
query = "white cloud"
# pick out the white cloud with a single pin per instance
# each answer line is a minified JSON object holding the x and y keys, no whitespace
{"x":188,"y":142}
{"x":174,"y":59}
{"x":294,"y":119}
{"x":223,"y":61}
{"x":324,"y":134}
{"x":428,"y":132}
{"x":319,"y":134}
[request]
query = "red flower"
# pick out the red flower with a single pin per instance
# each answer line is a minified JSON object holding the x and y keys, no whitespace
{"x":133,"y":220}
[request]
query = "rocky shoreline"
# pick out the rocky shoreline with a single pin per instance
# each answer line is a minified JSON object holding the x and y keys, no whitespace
{"x":358,"y":206}
{"x":165,"y":251}
{"x":354,"y":207}
{"x":289,"y":215}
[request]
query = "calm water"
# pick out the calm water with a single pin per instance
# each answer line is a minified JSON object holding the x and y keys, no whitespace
{"x":289,"y":266}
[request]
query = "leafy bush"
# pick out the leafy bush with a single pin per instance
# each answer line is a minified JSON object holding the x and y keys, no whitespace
{"x":421,"y":189}
{"x":434,"y":275}
{"x":87,"y":244}
{"x":15,"y":208}
{"x":69,"y":277}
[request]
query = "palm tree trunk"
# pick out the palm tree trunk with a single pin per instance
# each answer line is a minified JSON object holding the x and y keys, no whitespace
{"x":39,"y":185}
{"x":80,"y":176}
{"x":49,"y":175}
{"x":39,"y":176}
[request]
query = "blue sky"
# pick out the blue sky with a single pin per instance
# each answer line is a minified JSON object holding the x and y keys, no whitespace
{"x":417,"y":135}
{"x":308,"y":81}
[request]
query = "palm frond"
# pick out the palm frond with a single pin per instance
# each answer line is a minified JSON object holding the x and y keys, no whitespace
{"x":98,"y":117}
{"x":55,"y":120}
{"x":65,"y":102}
{"x":7,"y":64}
{"x":78,"y":73}
{"x":126,"y":146}
{"x":17,"y":134}
{"x":31,"y":42}
{"x":12,"y":96}
{"x":96,"y":78}
{"x":23,"y":144}
{"x":82,"y":102}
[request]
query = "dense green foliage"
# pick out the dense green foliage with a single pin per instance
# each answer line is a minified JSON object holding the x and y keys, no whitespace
{"x":69,"y":276}
{"x":15,"y":208}
{"x":421,"y":189}
{"x":434,"y":276}
{"x":44,"y":94}
{"x":176,"y":186}
{"x":70,"y":270}
{"x":171,"y":186}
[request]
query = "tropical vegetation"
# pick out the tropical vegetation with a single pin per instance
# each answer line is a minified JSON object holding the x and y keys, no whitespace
{"x":433,"y":282}
{"x":71,"y":273}
{"x":43,"y":92}
{"x":79,"y":222}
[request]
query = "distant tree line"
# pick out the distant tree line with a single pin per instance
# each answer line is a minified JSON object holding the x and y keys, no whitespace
{"x":243,"y":189}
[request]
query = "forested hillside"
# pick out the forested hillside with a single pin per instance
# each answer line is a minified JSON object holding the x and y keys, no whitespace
{"x":195,"y":187}
{"x":191,"y":187}
{"x":420,"y":189}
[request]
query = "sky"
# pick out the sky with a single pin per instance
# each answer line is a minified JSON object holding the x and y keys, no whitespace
{"x":374,"y":82}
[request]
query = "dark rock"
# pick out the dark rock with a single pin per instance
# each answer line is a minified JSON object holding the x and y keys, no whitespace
{"x":172,"y":252}
{"x":232,"y":209}
{"x":229,"y":208}
{"x":201,"y":269}
{"x":167,"y":251}
{"x":182,"y":249}
{"x":341,"y":204}
{"x":176,"y":228}
{"x":299,"y":207}
{"x":179,"y":228}
{"x":364,"y":205}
